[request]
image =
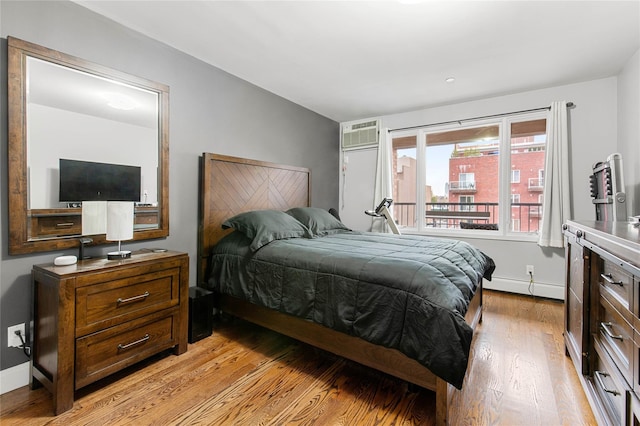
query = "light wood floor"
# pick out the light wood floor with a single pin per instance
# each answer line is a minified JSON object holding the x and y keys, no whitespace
{"x":246,"y":375}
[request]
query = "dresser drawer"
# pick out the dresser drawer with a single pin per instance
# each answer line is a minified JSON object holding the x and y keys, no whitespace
{"x":610,"y":387}
{"x":56,"y":225}
{"x":103,"y":353}
{"x":616,"y":335}
{"x":109,"y":303}
{"x":146,"y":216}
{"x":617,"y":282}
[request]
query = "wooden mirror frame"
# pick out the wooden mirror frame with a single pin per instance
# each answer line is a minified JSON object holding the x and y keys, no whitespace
{"x":20,"y":242}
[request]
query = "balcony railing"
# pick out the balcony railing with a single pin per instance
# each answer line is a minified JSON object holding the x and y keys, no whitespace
{"x":462,"y":186}
{"x":527,"y":215}
{"x":536,"y":211}
{"x":449,"y":215}
{"x":536,"y":184}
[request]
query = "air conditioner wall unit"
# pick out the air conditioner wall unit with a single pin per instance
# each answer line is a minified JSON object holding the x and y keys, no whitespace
{"x":360,"y":135}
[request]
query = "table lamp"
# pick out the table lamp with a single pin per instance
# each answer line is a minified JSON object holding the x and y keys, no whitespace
{"x":119,"y":226}
{"x":94,"y":222}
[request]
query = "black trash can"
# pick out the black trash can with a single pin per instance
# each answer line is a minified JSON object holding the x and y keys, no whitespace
{"x":200,"y":313}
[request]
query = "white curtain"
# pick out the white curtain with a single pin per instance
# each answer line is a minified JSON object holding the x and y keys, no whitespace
{"x":384,"y":177}
{"x":556,"y":204}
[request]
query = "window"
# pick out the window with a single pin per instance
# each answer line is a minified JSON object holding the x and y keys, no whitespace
{"x":467,"y":181}
{"x":404,"y":181}
{"x":528,"y":141}
{"x":490,"y":172}
{"x":466,"y":203}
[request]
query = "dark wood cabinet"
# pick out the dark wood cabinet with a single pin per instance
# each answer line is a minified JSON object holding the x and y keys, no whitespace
{"x":602,"y":316}
{"x":99,"y":316}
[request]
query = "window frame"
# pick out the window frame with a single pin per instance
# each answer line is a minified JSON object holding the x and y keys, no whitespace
{"x":505,"y":225}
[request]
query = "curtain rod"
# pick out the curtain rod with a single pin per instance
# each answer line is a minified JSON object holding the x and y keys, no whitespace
{"x":569,"y":105}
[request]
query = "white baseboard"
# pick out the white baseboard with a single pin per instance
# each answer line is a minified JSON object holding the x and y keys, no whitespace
{"x":14,"y":377}
{"x":551,"y":291}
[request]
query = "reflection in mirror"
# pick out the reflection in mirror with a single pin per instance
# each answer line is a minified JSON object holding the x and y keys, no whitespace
{"x":65,"y":108}
{"x":78,"y":116}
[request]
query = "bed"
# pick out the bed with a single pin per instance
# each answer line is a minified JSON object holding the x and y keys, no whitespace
{"x":312,"y":266}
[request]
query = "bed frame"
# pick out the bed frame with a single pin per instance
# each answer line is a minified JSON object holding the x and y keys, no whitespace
{"x":231,"y":185}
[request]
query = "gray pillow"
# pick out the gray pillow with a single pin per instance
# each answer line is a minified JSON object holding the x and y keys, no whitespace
{"x":319,"y":221}
{"x":264,"y":226}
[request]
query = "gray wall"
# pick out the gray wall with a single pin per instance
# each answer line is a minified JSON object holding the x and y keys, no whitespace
{"x":629,"y":130}
{"x":211,"y":111}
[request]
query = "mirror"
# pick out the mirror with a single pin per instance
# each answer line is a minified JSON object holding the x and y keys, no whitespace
{"x":65,"y":108}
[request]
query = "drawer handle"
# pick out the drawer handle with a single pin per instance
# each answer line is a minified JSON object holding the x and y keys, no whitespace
{"x":65,"y":225}
{"x":122,"y":347}
{"x":609,"y":279}
{"x":605,"y":327}
{"x":133,"y":299}
{"x":598,"y":375}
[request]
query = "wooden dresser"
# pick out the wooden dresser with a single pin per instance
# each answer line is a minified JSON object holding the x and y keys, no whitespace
{"x":602,"y":316}
{"x":99,"y":316}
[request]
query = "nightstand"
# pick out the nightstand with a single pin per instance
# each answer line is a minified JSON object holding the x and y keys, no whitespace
{"x":99,"y":316}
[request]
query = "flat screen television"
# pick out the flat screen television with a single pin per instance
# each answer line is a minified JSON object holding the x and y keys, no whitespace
{"x":90,"y":181}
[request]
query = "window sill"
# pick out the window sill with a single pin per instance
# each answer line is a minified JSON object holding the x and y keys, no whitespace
{"x":474,"y":234}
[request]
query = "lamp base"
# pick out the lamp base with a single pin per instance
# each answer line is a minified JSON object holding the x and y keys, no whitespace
{"x":115,"y":255}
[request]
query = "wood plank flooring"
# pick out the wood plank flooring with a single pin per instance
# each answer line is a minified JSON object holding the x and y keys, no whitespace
{"x":246,"y":375}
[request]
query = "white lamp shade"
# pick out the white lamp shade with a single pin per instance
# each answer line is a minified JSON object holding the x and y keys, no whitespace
{"x":94,"y":217}
{"x":119,"y":220}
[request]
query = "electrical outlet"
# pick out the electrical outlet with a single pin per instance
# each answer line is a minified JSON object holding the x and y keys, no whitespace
{"x":13,"y":340}
{"x":530,"y":270}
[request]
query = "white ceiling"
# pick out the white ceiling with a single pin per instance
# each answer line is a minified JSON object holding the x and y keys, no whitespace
{"x":349,"y":60}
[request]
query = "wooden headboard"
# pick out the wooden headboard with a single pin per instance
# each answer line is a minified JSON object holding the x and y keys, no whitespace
{"x":232,"y":185}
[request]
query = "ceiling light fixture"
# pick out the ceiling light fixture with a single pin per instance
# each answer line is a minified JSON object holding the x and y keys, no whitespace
{"x":449,"y":79}
{"x":120,"y":101}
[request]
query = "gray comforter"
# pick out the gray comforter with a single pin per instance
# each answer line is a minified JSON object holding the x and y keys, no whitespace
{"x":404,"y":292}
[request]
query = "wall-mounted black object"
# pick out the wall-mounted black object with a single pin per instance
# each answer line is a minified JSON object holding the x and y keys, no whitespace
{"x":200,"y":313}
